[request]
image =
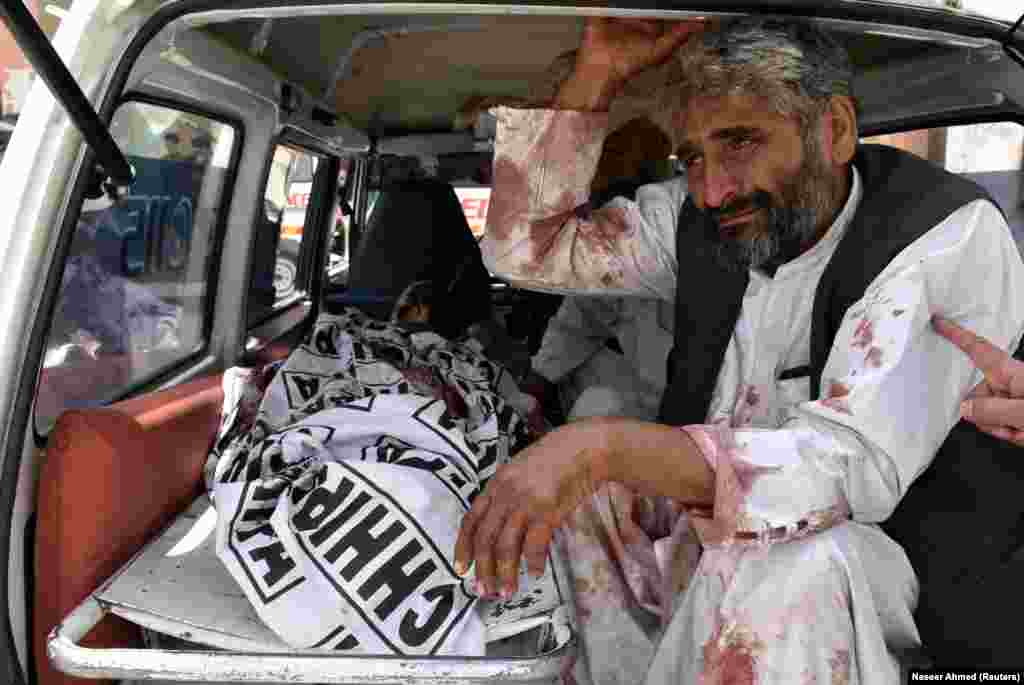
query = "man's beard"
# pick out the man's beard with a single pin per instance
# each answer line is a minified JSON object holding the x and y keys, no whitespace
{"x":785,"y":226}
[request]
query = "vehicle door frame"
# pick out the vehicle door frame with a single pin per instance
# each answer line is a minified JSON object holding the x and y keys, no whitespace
{"x":23,"y":368}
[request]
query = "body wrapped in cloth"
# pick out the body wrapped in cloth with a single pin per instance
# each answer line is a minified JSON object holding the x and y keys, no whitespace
{"x":340,"y":479}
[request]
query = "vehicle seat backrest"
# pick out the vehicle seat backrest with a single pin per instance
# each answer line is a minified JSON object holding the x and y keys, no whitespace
{"x":111,"y":479}
{"x":418,"y":232}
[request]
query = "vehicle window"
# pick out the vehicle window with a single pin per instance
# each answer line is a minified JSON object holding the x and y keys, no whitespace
{"x":135,"y":284}
{"x":991,"y":154}
{"x":278,"y":278}
{"x":470,"y":176}
{"x":475,"y":200}
{"x":338,"y":255}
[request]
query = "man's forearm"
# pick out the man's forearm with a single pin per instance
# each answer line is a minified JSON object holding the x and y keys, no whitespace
{"x":654,"y":459}
{"x":586,"y":91}
{"x":536,"y":236}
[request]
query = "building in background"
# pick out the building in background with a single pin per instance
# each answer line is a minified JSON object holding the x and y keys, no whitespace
{"x":15,"y":72}
{"x":16,"y":75}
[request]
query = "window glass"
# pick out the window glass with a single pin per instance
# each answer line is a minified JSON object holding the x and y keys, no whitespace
{"x":135,"y":285}
{"x":338,"y":253}
{"x":469,"y":174}
{"x":475,"y":200}
{"x":278,"y":278}
{"x":990,"y":154}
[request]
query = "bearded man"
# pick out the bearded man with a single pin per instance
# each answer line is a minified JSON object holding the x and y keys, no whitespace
{"x":809,"y":437}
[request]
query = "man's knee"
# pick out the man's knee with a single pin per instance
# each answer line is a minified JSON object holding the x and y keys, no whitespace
{"x":598,"y":401}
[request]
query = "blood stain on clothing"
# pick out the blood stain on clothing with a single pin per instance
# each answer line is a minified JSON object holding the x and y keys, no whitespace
{"x":544,"y":232}
{"x":454,"y":402}
{"x":419,"y":375}
{"x":837,"y":404}
{"x":841,"y":601}
{"x":609,"y":224}
{"x":840,"y":664}
{"x":746,"y":406}
{"x":729,"y":657}
{"x":601,"y":575}
{"x":874,"y":357}
{"x":835,"y":399}
{"x":864,"y":334}
{"x":837,"y":389}
{"x":747,"y":473}
{"x":809,"y":678}
{"x":565,"y":135}
{"x":583,"y":612}
{"x":510,"y":201}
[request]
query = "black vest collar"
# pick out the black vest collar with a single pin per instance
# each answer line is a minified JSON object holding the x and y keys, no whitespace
{"x":903,"y":197}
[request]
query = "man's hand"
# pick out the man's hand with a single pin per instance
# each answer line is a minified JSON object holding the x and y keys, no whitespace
{"x":615,"y":50}
{"x":526,"y":501}
{"x":996,"y":405}
{"x":530,"y":497}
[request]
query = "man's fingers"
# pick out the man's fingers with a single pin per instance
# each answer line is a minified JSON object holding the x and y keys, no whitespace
{"x":509,"y":551}
{"x":464,"y":543}
{"x":994,"y":411}
{"x":535,"y":547}
{"x":982,"y":389}
{"x":1005,"y":433}
{"x":678,"y":33}
{"x":484,"y":543}
{"x":986,"y":356}
{"x":1015,"y":436}
{"x":648,"y":27}
{"x":1001,"y":432}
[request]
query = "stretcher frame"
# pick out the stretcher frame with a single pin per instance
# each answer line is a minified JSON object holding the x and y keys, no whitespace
{"x":250,"y":663}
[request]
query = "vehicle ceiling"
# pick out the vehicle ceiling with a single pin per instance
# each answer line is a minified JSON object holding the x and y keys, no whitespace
{"x":396,"y":74}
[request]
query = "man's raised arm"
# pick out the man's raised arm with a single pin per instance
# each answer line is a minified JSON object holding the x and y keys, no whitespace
{"x":540,"y":233}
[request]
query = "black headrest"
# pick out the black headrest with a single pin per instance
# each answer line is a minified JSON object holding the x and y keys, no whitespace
{"x":418,"y":232}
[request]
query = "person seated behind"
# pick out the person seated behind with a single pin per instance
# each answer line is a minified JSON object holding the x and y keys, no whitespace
{"x":607,"y":354}
{"x":419,"y":264}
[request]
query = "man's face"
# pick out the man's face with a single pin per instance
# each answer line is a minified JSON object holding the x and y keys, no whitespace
{"x":187,"y":143}
{"x":767,"y":190}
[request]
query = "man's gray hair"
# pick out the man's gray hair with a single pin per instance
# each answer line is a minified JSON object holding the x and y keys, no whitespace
{"x":794,"y":64}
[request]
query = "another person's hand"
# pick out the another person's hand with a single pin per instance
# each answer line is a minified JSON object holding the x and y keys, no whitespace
{"x":525,"y":501}
{"x":613,"y":51}
{"x":996,"y":405}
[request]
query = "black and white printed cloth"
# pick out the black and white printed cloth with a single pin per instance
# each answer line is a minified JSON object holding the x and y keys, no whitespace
{"x":340,"y":488}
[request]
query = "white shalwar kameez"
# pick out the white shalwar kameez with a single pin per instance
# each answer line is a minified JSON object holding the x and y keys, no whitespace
{"x":795,"y":582}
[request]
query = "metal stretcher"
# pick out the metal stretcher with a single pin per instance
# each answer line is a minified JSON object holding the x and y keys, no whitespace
{"x":201,"y":627}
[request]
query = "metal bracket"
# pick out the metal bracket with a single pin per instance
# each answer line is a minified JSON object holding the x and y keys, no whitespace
{"x":103,"y":184}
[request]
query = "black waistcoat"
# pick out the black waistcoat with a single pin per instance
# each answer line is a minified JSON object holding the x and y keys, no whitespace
{"x":960,"y":522}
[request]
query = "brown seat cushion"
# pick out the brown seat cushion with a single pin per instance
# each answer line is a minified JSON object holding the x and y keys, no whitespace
{"x":111,"y":479}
